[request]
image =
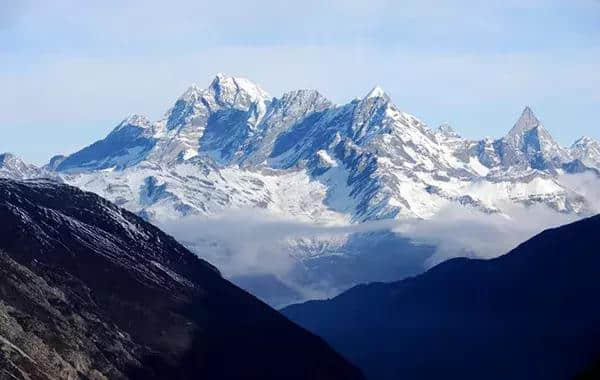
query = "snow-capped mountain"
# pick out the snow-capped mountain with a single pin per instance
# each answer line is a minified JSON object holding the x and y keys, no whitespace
{"x":13,"y":167}
{"x":368,"y":159}
{"x":299,"y":156}
{"x":530,"y":145}
{"x":587,"y":150}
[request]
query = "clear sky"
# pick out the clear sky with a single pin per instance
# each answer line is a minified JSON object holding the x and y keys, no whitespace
{"x":70,"y":70}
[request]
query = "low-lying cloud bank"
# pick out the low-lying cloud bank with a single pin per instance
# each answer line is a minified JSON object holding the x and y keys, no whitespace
{"x":470,"y":233}
{"x":255,"y":242}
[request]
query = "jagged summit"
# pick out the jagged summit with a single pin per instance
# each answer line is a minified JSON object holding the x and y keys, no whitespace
{"x":10,"y":160}
{"x":227,"y":90}
{"x":5,"y":157}
{"x":12,"y":166}
{"x":135,"y":120}
{"x":587,"y":150}
{"x":303,"y":93}
{"x":446,"y":130}
{"x":378,"y":148}
{"x":230,"y":89}
{"x":191,"y":93}
{"x":526,"y":122}
{"x":228,"y":146}
{"x":584,"y":141}
{"x":529,"y":144}
{"x":376,"y":92}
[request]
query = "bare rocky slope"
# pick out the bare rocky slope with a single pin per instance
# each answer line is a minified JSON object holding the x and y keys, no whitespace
{"x":89,"y":290}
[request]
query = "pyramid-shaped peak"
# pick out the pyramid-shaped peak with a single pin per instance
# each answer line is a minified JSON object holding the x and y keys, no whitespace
{"x":528,"y":120}
{"x":528,"y":112}
{"x":376,"y":92}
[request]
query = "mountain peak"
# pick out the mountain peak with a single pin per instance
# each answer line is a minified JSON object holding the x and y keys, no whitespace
{"x":529,"y":142}
{"x":12,"y":166}
{"x":446,"y":130}
{"x":587,"y":150}
{"x":8,"y":159}
{"x":376,"y":92}
{"x":526,"y":121}
{"x":5,"y":157}
{"x":584,"y":141}
{"x":135,"y":120}
{"x":229,"y":88}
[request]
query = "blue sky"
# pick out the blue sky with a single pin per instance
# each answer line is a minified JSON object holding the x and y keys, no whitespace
{"x":71,"y":70}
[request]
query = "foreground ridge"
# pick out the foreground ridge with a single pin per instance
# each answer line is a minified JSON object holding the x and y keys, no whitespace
{"x":90,"y":290}
{"x":529,"y":314}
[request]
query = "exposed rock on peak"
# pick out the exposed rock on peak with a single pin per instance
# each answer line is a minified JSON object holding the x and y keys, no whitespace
{"x":526,"y":121}
{"x":136,"y":120}
{"x":587,"y":150}
{"x":376,"y":92}
{"x":14,"y":167}
{"x":529,"y":144}
{"x":447,"y":131}
{"x":235,"y":90}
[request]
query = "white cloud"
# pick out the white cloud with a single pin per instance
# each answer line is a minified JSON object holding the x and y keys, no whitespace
{"x":463,"y":232}
{"x":255,"y":241}
{"x":459,"y":231}
{"x":587,"y":185}
{"x":246,"y":242}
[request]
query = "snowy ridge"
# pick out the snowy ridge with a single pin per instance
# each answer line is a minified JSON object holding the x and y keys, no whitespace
{"x":587,"y":150}
{"x":13,"y":167}
{"x":368,"y":159}
{"x":233,"y":146}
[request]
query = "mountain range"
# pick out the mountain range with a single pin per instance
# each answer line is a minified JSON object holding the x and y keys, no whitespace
{"x":300,"y":157}
{"x":530,"y":314}
{"x":91,"y":291}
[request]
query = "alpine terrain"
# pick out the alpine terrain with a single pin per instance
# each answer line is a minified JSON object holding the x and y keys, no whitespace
{"x":91,"y":291}
{"x":301,"y":158}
